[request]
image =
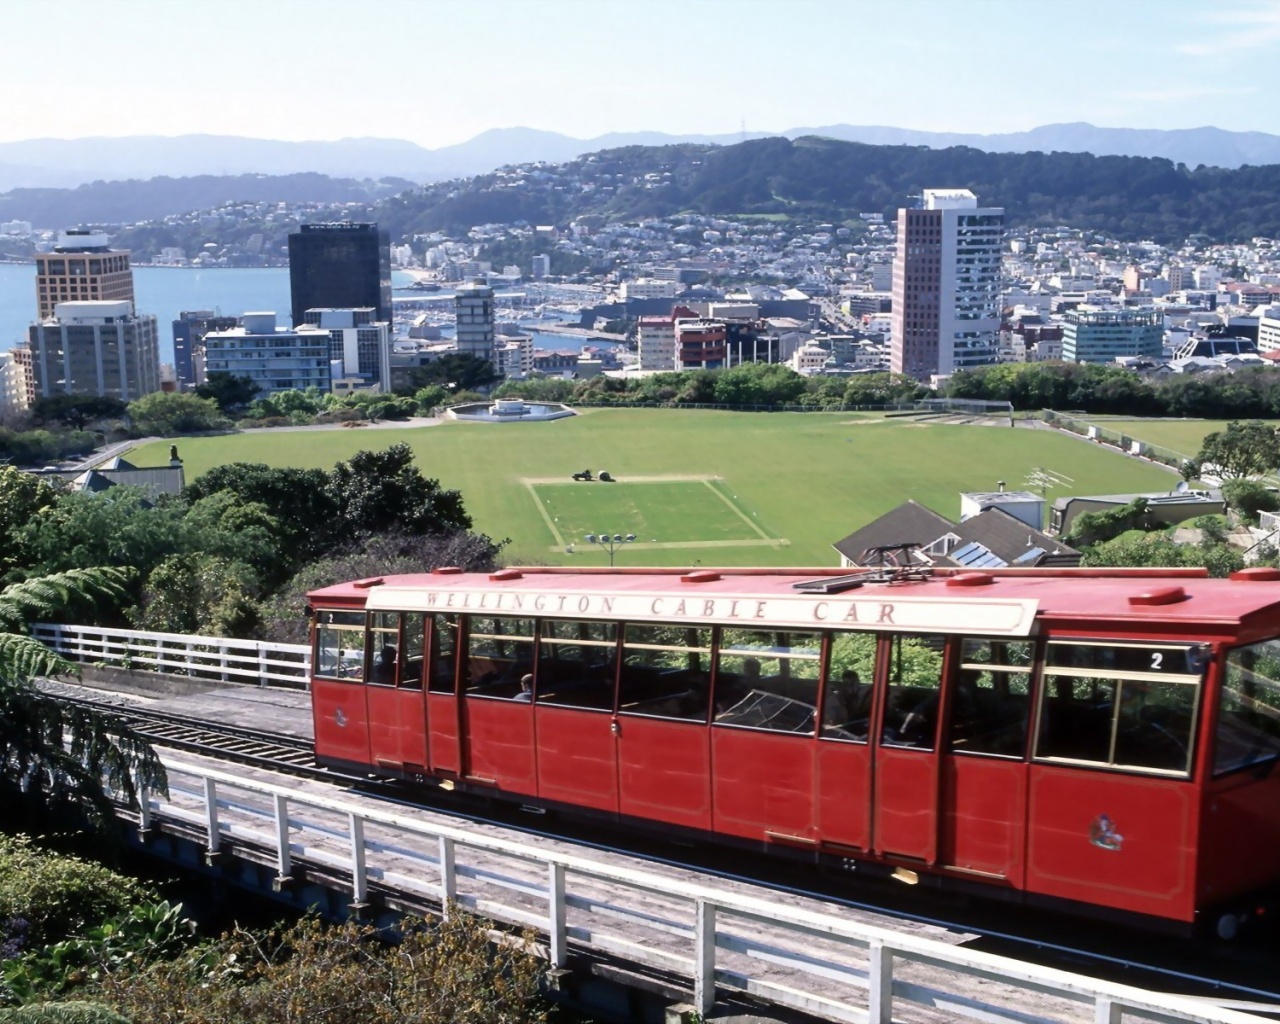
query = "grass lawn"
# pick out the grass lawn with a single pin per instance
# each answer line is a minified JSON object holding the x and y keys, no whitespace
{"x":805,"y":479}
{"x":1181,"y":436}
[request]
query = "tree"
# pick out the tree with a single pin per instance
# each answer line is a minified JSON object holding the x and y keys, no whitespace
{"x":1248,"y":449}
{"x":759,"y":384}
{"x":201,"y":594}
{"x":298,"y":500}
{"x":230,"y":392}
{"x":173,"y":412}
{"x":377,"y":491}
{"x":54,"y":754}
{"x":1249,"y":497}
{"x":76,"y":411}
{"x":22,"y":496}
{"x":461,"y":372}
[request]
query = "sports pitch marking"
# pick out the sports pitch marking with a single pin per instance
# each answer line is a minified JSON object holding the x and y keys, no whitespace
{"x":531,"y":483}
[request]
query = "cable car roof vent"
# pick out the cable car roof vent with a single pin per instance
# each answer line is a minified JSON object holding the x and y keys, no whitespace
{"x":1256,"y":574}
{"x":375,"y":581}
{"x":446,"y":570}
{"x":971,"y":579}
{"x":505,"y":574}
{"x":700,"y":576}
{"x":1158,"y":596}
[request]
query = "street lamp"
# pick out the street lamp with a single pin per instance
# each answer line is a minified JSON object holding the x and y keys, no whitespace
{"x":610,"y":542}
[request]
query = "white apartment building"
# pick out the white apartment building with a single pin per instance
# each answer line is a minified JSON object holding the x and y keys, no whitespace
{"x":657,"y":342}
{"x":946,"y":285}
{"x":359,"y":345}
{"x":275,"y":358}
{"x":513,"y":356}
{"x":95,"y":348}
{"x":1268,"y":329}
{"x":647,"y":288}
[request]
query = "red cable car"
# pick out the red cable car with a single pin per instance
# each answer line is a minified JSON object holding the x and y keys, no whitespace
{"x":1107,"y":738}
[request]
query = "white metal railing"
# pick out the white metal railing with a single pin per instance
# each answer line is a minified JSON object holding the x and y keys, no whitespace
{"x":200,"y":657}
{"x":721,"y":941}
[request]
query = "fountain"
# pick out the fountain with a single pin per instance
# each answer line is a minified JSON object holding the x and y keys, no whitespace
{"x":509,"y":410}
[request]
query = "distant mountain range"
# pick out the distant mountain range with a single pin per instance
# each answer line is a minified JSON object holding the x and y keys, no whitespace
{"x":66,"y":163}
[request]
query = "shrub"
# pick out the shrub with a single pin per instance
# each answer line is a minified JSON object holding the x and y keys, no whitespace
{"x":61,"y":1013}
{"x":59,"y":896}
{"x":1247,"y":498}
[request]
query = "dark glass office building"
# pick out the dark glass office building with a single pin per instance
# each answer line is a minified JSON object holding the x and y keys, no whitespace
{"x":188,"y":342}
{"x":342,"y":265}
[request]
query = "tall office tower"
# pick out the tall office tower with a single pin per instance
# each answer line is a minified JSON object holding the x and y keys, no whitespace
{"x":95,"y":348}
{"x":343,"y":265}
{"x":473,"y":304}
{"x":541,"y":266}
{"x":946,"y":285}
{"x":359,"y":345}
{"x":188,"y":343}
{"x":82,"y":268}
{"x":1093,"y":335}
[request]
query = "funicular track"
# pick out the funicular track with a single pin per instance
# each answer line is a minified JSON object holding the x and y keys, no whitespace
{"x":1241,"y":975}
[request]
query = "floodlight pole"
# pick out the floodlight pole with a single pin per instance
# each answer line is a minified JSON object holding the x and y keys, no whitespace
{"x":610,"y":542}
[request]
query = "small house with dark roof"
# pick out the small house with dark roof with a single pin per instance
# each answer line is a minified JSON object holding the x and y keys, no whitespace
{"x":994,"y":538}
{"x":154,"y":480}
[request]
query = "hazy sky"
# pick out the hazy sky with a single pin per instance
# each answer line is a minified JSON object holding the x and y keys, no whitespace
{"x":440,"y":72}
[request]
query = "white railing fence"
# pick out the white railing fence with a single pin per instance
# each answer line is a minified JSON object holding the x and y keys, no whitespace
{"x":722,"y":942}
{"x":223,"y":659}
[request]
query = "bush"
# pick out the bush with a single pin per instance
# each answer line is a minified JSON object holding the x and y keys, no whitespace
{"x":446,"y":973}
{"x":1247,"y":498}
{"x":59,"y":896}
{"x":61,"y":1013}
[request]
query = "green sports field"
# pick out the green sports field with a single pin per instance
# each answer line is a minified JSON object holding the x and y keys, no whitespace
{"x":1181,"y":436}
{"x":697,"y":487}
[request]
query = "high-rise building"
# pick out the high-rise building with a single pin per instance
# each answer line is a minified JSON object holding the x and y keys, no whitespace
{"x":701,"y":344}
{"x":95,"y":348}
{"x":473,"y":305}
{"x":275,"y":358}
{"x":656,"y":337}
{"x":946,"y":285}
{"x":1102,"y":335}
{"x":189,"y":331}
{"x":82,"y":268}
{"x":541,"y":266}
{"x":342,"y":265}
{"x":359,"y":345}
{"x":513,"y":356}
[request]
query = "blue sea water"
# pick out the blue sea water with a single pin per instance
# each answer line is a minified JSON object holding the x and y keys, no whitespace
{"x":166,"y":292}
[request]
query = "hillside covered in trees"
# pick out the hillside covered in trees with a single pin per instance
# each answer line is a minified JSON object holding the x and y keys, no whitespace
{"x":1127,"y":197}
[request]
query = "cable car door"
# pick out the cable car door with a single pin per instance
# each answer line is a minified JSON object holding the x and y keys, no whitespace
{"x":397,"y":722}
{"x":444,"y":747}
{"x":906,"y":756}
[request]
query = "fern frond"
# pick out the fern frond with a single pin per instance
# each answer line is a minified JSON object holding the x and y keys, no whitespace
{"x":46,"y":597}
{"x":24,"y":659}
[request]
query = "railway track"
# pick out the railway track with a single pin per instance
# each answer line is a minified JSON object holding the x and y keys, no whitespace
{"x":1240,"y":975}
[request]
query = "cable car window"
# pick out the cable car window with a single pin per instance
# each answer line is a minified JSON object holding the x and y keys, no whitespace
{"x":1249,"y":710}
{"x":991,"y":704}
{"x":340,"y":645}
{"x":666,"y":672}
{"x":444,"y":652}
{"x":577,"y":662}
{"x":384,"y":646}
{"x":411,"y":658}
{"x":1097,"y":709}
{"x":499,"y":656}
{"x":851,"y":673}
{"x":768,"y":679}
{"x":913,"y":691}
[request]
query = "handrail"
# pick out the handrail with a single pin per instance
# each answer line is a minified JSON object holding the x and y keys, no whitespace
{"x":220,"y":658}
{"x":712,"y":911}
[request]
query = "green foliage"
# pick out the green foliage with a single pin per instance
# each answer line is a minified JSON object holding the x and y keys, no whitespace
{"x":1091,"y":528}
{"x":758,"y":384}
{"x":201,"y":594}
{"x":1247,"y":498}
{"x":22,"y":496}
{"x":128,"y":941}
{"x":231,"y":393}
{"x":38,"y":447}
{"x":61,"y":1013}
{"x":1242,"y":450}
{"x":429,"y":397}
{"x":444,"y":973}
{"x":1158,"y":549}
{"x":168,"y":413}
{"x":60,"y":896}
{"x":457,"y":372}
{"x":76,"y":411}
{"x":377,"y":491}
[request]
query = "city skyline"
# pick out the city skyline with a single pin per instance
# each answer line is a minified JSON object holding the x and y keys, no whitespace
{"x":989,"y":67}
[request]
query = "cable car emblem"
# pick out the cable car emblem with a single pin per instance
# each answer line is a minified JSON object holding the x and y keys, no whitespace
{"x":1103,"y":834}
{"x":340,"y":717}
